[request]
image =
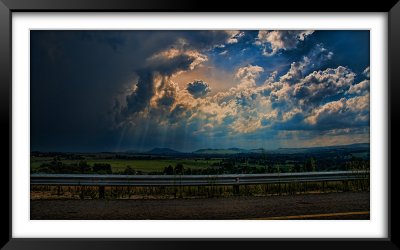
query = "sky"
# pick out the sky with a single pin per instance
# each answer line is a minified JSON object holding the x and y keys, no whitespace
{"x":102,"y":91}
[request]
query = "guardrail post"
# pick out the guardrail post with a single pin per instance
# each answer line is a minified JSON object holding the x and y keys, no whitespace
{"x":279,"y":189}
{"x":82,"y":195}
{"x":236,"y":190}
{"x":101,"y":192}
{"x":345,"y":186}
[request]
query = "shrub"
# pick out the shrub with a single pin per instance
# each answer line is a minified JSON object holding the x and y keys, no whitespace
{"x":129,"y":171}
{"x":102,"y":168}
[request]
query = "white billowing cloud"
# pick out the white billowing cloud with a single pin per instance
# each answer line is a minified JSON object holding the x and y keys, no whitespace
{"x":317,"y":101}
{"x":296,"y":71}
{"x":323,"y":84}
{"x":366,"y":72}
{"x":326,"y":111}
{"x":198,"y":88}
{"x":313,"y":59}
{"x":360,"y":88}
{"x":309,"y":91}
{"x":272,"y":77}
{"x":298,"y":100}
{"x":234,"y":35}
{"x":273,"y":41}
{"x":318,"y":55}
{"x":308,"y":102}
{"x":345,"y":112}
{"x":248,"y":75}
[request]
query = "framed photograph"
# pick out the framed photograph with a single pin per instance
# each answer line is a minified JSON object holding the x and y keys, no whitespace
{"x":149,"y":126}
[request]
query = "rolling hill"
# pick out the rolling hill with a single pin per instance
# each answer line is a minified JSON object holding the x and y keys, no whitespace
{"x":163,"y":151}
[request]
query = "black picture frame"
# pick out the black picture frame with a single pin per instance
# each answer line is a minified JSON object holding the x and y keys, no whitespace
{"x":8,"y":7}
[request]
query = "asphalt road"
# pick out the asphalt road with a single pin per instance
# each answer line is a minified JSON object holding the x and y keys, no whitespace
{"x":348,"y":205}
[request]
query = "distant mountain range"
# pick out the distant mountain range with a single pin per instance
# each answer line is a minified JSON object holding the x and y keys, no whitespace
{"x":163,"y":151}
{"x":230,"y":151}
{"x":221,"y":151}
{"x":350,"y":147}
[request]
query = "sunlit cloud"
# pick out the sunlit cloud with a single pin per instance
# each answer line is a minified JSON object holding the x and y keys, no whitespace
{"x":248,"y":76}
{"x":235,"y":35}
{"x":274,"y":41}
{"x":366,"y":72}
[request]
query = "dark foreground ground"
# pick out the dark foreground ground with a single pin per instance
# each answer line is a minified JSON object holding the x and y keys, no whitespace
{"x":348,"y":205}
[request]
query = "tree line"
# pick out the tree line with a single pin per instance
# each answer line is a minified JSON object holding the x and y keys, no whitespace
{"x":225,"y":166}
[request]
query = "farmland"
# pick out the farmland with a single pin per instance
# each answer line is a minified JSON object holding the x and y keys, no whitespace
{"x":118,"y":165}
{"x":205,"y":161}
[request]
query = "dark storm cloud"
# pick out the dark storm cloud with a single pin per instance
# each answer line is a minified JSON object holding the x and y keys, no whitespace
{"x":198,"y":88}
{"x":168,"y":98}
{"x":179,"y":56}
{"x":179,"y":113}
{"x":140,"y":98}
{"x":75,"y":78}
{"x":154,"y":79}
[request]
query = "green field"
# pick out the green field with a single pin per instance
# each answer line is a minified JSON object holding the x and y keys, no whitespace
{"x":145,"y":165}
{"x":363,"y":155}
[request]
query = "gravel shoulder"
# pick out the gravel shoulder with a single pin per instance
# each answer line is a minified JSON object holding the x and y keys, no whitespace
{"x":230,"y":208}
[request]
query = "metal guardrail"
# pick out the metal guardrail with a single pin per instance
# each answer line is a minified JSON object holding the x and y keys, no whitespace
{"x":192,"y":180}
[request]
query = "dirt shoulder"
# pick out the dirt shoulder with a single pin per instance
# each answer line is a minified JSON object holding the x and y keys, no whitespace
{"x":206,"y":208}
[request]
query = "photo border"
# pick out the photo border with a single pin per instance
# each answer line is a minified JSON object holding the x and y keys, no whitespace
{"x":7,"y":242}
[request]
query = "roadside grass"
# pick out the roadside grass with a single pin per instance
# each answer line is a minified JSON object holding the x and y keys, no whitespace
{"x":209,"y":191}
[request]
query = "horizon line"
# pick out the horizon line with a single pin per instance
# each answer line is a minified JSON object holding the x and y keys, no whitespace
{"x":188,"y":152}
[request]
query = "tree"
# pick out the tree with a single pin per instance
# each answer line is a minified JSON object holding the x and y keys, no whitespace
{"x":84,"y":167}
{"x":188,"y":171}
{"x":56,"y":162}
{"x":102,"y":168}
{"x":169,"y":170}
{"x":297,"y":168}
{"x":179,"y":169}
{"x":129,"y":171}
{"x":310,"y":165}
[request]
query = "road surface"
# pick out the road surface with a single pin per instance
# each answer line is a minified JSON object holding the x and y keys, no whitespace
{"x":347,"y":205}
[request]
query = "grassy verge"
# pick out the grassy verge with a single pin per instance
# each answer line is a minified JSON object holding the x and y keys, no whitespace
{"x":160,"y":192}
